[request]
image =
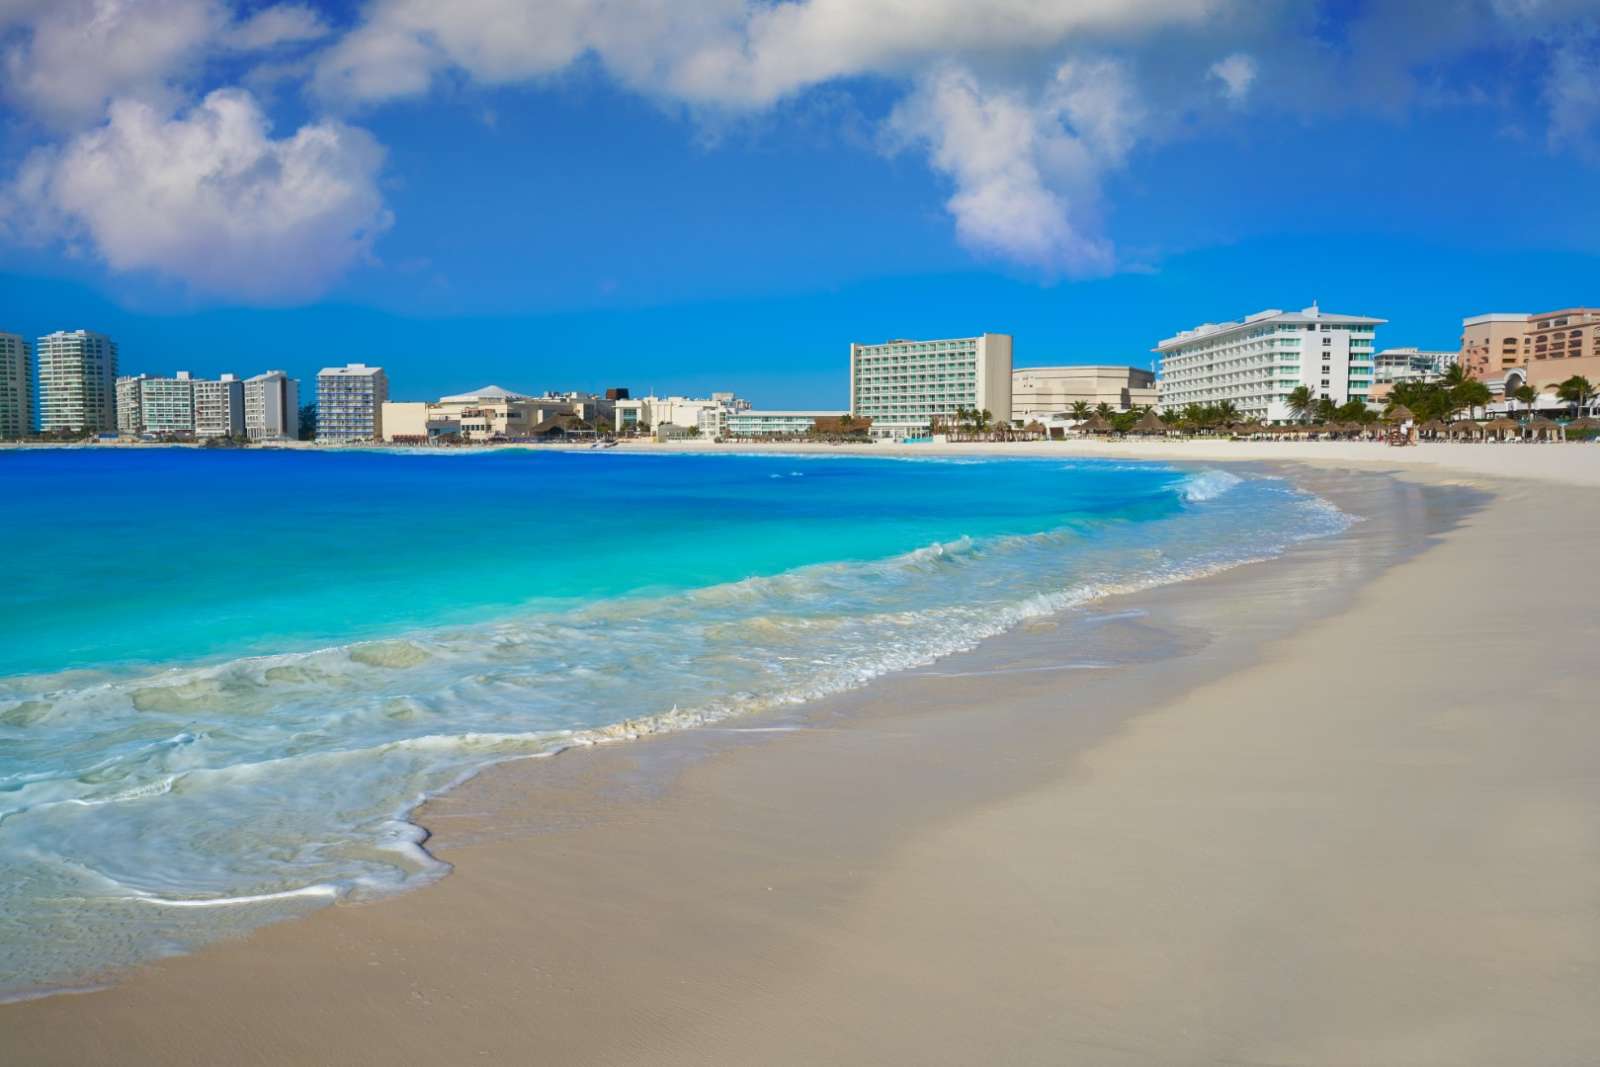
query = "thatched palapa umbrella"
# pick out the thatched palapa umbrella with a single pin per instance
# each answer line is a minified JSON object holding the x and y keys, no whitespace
{"x":1548,"y":429}
{"x":1465,"y":428}
{"x":1501,"y":427}
{"x":1433,"y":428}
{"x":1094,"y":424}
{"x":1398,"y":413}
{"x":1149,"y":423}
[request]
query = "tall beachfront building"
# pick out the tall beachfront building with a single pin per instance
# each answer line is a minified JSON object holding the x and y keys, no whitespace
{"x":1255,"y":364}
{"x":16,"y":387}
{"x":272,"y":407}
{"x":219,"y":407}
{"x":350,"y":403}
{"x":905,"y":387}
{"x":77,"y":382}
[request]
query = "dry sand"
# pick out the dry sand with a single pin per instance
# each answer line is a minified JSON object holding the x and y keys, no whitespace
{"x":1345,"y":811}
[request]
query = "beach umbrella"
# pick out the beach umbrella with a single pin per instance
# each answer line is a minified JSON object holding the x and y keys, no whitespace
{"x":1585,"y":423}
{"x":1094,"y":424}
{"x":1465,"y":427}
{"x":1149,"y":423}
{"x":1398,"y":413}
{"x":1433,"y":426}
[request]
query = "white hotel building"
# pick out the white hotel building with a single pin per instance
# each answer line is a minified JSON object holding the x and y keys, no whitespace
{"x":1257,"y":363}
{"x":758,"y":423}
{"x":77,"y":382}
{"x":906,"y":386}
{"x":350,"y":403}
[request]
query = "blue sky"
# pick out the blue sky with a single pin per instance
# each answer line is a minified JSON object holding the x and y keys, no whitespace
{"x":724,"y":196}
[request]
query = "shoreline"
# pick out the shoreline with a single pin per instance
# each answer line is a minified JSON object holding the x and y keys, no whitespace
{"x":1570,"y":463}
{"x":616,"y":792}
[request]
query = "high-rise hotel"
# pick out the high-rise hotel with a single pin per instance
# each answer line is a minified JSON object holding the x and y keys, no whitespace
{"x":904,"y":387}
{"x":350,"y":403}
{"x":272,"y":407}
{"x":77,"y":382}
{"x":16,"y":387}
{"x":1257,"y":363}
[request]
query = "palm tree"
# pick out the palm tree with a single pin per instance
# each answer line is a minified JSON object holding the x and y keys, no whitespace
{"x":1470,"y":394}
{"x":981,"y":419}
{"x":1455,"y":376}
{"x":1103,"y":410}
{"x":1080,"y":410}
{"x":1326,"y":409}
{"x":1301,"y":402}
{"x":1576,"y":390}
{"x":1525,"y":394}
{"x":1227,"y":412}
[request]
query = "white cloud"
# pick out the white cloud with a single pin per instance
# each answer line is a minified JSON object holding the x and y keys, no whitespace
{"x":65,"y":59}
{"x":1572,"y":93}
{"x":1236,"y":73}
{"x":210,"y":197}
{"x":1026,"y":170}
{"x":728,"y":53}
{"x":273,"y":26}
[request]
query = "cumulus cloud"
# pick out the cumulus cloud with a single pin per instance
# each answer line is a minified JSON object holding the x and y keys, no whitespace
{"x":209,"y":197}
{"x":65,"y":59}
{"x":1236,"y":74}
{"x":1026,"y":170}
{"x":273,"y":26}
{"x":728,"y":53}
{"x":1572,"y":93}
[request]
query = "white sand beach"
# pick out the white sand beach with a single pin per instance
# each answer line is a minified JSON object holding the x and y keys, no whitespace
{"x":1348,"y":815}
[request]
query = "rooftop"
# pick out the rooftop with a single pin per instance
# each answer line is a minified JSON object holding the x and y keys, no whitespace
{"x":1305,"y":316}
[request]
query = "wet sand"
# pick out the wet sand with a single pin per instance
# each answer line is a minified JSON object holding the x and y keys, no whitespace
{"x":1334,"y":808}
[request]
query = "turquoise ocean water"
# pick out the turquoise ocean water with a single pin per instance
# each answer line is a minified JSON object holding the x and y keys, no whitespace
{"x":226,"y":677}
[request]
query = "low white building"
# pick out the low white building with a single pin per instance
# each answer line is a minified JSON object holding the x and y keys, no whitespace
{"x":708,"y":415}
{"x":1256,"y":363}
{"x":1411,"y":365}
{"x":1039,"y":392}
{"x":755,"y":422}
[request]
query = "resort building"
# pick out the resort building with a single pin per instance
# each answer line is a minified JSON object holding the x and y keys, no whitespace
{"x":754,"y":423}
{"x":1560,"y":344}
{"x":181,"y":406}
{"x":166,"y":405}
{"x":1255,"y":364}
{"x":1039,"y":392}
{"x":905,"y":387}
{"x":708,"y":415}
{"x":130,"y":408}
{"x":1493,"y":344}
{"x":490,"y":413}
{"x":271,"y":407}
{"x":1411,"y":365}
{"x":16,"y":387}
{"x":77,"y":382}
{"x":350,"y":403}
{"x":219,"y":407}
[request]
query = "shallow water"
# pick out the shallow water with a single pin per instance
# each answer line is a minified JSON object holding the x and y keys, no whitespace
{"x":219,"y":700}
